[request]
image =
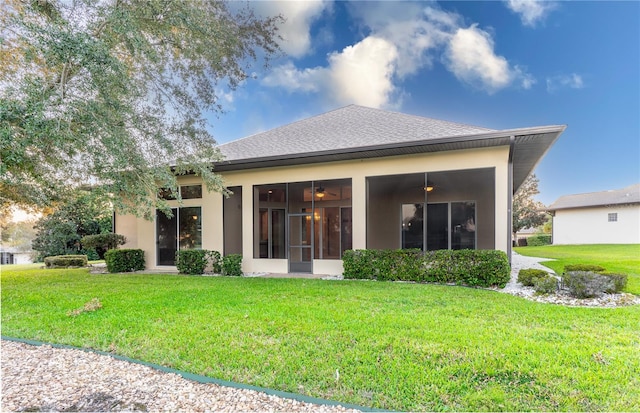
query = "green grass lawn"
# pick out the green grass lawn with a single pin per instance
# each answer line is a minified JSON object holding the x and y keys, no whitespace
{"x":396,"y":346}
{"x":623,"y":259}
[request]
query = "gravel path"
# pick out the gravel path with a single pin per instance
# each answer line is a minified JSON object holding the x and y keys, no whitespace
{"x":43,"y":378}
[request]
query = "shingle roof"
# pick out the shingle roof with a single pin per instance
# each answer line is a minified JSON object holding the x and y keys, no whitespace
{"x":349,"y":127}
{"x":357,"y":132}
{"x":628,"y":195}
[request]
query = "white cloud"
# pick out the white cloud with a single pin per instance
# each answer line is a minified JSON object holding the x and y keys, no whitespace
{"x":360,"y":74}
{"x":531,"y":11}
{"x":399,"y":42}
{"x":471,"y":57}
{"x":572,"y":81}
{"x":293,"y":79}
{"x":299,"y":16}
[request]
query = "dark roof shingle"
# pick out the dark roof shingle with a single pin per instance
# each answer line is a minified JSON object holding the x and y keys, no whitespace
{"x":349,"y":127}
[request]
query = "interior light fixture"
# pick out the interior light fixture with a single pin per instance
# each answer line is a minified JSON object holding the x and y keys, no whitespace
{"x":320,"y":192}
{"x":429,"y":187}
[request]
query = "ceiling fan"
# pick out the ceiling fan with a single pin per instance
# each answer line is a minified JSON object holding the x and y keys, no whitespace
{"x":321,"y":192}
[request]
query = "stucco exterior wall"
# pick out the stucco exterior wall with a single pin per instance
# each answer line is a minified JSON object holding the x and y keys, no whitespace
{"x":357,"y":171}
{"x":591,"y":225}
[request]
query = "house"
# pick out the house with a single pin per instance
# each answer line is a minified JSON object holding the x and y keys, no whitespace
{"x":352,"y":178}
{"x":607,"y":217}
{"x":10,"y":255}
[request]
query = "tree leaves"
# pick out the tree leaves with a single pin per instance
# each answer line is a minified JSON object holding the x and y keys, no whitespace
{"x":527,"y":212}
{"x":112,"y":94}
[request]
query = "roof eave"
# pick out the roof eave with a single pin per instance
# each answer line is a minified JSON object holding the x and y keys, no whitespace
{"x":485,"y":139}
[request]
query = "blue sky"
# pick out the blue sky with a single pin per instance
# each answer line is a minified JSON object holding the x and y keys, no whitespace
{"x":498,"y":64}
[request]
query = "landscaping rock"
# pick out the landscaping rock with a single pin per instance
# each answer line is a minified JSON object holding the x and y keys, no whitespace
{"x":43,"y":378}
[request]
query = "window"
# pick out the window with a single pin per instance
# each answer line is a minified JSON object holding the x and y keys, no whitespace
{"x":269,"y":230}
{"x":449,"y":225}
{"x":186,"y":192}
{"x":191,"y":191}
{"x":613,"y":217}
{"x":181,"y":231}
{"x":325,"y":226}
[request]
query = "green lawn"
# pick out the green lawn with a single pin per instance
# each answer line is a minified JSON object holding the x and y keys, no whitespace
{"x":624,"y":259}
{"x":396,"y":345}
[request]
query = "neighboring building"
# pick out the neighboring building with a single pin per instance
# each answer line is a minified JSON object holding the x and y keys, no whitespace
{"x":14,"y":256}
{"x":351,"y":178}
{"x":608,"y":217}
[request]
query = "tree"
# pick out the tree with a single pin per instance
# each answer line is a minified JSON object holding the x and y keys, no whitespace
{"x":111,"y":93}
{"x":18,"y":235}
{"x":61,"y":232}
{"x":527,"y":212}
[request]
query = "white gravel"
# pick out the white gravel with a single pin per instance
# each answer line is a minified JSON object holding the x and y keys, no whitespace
{"x":43,"y":378}
{"x":513,"y":287}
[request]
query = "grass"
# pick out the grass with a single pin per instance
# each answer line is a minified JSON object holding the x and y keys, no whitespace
{"x":395,"y":345}
{"x":623,"y":259}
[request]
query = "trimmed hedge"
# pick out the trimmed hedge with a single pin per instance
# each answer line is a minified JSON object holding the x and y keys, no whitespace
{"x":476,"y":268}
{"x":103,"y":242}
{"x":196,"y":261}
{"x":64,"y":261}
{"x":584,"y":267}
{"x":527,"y":277}
{"x":124,"y":260}
{"x":232,"y":265}
{"x":539,"y":240}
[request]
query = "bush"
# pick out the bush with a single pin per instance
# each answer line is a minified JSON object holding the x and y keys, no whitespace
{"x":619,"y":282}
{"x":196,"y":261}
{"x":539,"y":240}
{"x":64,"y":261}
{"x":232,"y":265}
{"x":465,"y":267}
{"x":587,"y":284}
{"x":528,"y":277}
{"x":125,"y":260}
{"x":545,"y":285}
{"x":191,"y":261}
{"x":583,"y":267}
{"x":216,"y":262}
{"x":103,"y":242}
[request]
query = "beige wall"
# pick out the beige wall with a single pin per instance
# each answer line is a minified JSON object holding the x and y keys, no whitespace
{"x":358,"y":171}
{"x":592,"y":226}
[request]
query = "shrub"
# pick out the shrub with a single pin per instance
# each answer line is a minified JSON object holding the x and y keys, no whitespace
{"x":103,"y":242}
{"x":465,"y":267}
{"x":583,"y":267}
{"x":545,"y":285}
{"x":619,"y":282}
{"x":64,"y":261}
{"x":538,"y":240}
{"x":216,"y":261}
{"x":232,"y":265}
{"x":191,"y":261}
{"x":587,"y":284}
{"x":527,"y":277}
{"x":125,"y":260}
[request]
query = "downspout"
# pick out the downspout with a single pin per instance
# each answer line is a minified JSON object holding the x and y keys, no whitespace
{"x":512,"y":142}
